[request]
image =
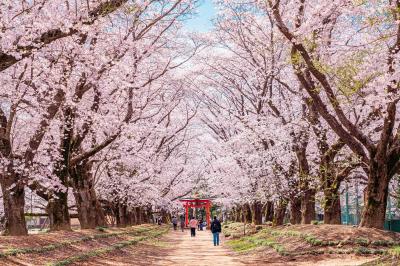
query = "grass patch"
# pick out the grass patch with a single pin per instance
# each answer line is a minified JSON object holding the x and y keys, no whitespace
{"x":257,"y":240}
{"x":362,"y":242}
{"x":312,"y":240}
{"x":101,"y":228}
{"x":394,"y":252}
{"x":240,"y":245}
{"x":383,"y":243}
{"x":367,"y":251}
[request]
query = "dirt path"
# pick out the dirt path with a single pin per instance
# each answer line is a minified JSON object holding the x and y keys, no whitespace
{"x":199,"y":251}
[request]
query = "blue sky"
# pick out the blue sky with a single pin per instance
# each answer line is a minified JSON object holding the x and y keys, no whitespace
{"x":202,"y":21}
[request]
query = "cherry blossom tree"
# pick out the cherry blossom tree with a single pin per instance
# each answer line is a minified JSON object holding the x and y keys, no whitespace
{"x":74,"y":71}
{"x":348,"y":68}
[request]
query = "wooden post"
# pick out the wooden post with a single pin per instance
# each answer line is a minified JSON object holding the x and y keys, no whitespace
{"x":186,"y":214}
{"x":208,"y":215}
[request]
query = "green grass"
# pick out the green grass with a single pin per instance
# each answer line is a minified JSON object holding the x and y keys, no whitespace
{"x":260,"y":240}
{"x":383,"y":243}
{"x":310,"y":239}
{"x":240,"y":245}
{"x":367,"y":251}
{"x":257,"y":240}
{"x":362,"y":242}
{"x":101,"y":228}
{"x":394,"y":252}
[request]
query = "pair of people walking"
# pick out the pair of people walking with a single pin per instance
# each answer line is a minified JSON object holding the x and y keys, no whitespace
{"x":215,"y":229}
{"x":181,"y":222}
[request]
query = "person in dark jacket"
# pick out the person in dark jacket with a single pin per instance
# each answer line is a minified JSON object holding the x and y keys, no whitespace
{"x":175,"y":222}
{"x":182,"y":221}
{"x":215,"y":230}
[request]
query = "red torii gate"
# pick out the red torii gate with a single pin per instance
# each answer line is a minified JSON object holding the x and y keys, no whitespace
{"x":197,"y":203}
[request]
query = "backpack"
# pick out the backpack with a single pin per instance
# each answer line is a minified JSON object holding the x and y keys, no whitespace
{"x":216,"y":226}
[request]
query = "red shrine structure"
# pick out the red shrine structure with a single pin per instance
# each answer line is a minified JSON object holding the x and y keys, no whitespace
{"x":197,"y":203}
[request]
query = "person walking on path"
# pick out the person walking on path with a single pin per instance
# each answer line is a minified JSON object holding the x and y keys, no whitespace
{"x":215,"y":230}
{"x":182,"y":223}
{"x":175,"y":222}
{"x":193,"y":226}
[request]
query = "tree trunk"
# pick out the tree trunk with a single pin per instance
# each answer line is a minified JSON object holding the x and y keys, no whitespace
{"x":57,"y":209}
{"x":14,"y":203}
{"x":150,"y":217}
{"x":376,"y":197}
{"x":134,"y":217}
{"x":332,"y":210}
{"x":238,"y":214}
{"x":116,"y":214}
{"x":121,"y":216}
{"x":139,"y":213}
{"x":145,"y":216}
{"x":129,"y":217}
{"x":308,"y":206}
{"x":231,"y":214}
{"x":247,"y":213}
{"x":307,"y":193}
{"x":295,"y":210}
{"x":90,"y":212}
{"x":269,"y":211}
{"x":149,"y":214}
{"x":164,"y":215}
{"x":280,"y":211}
{"x":57,"y":201}
{"x":256,"y":214}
